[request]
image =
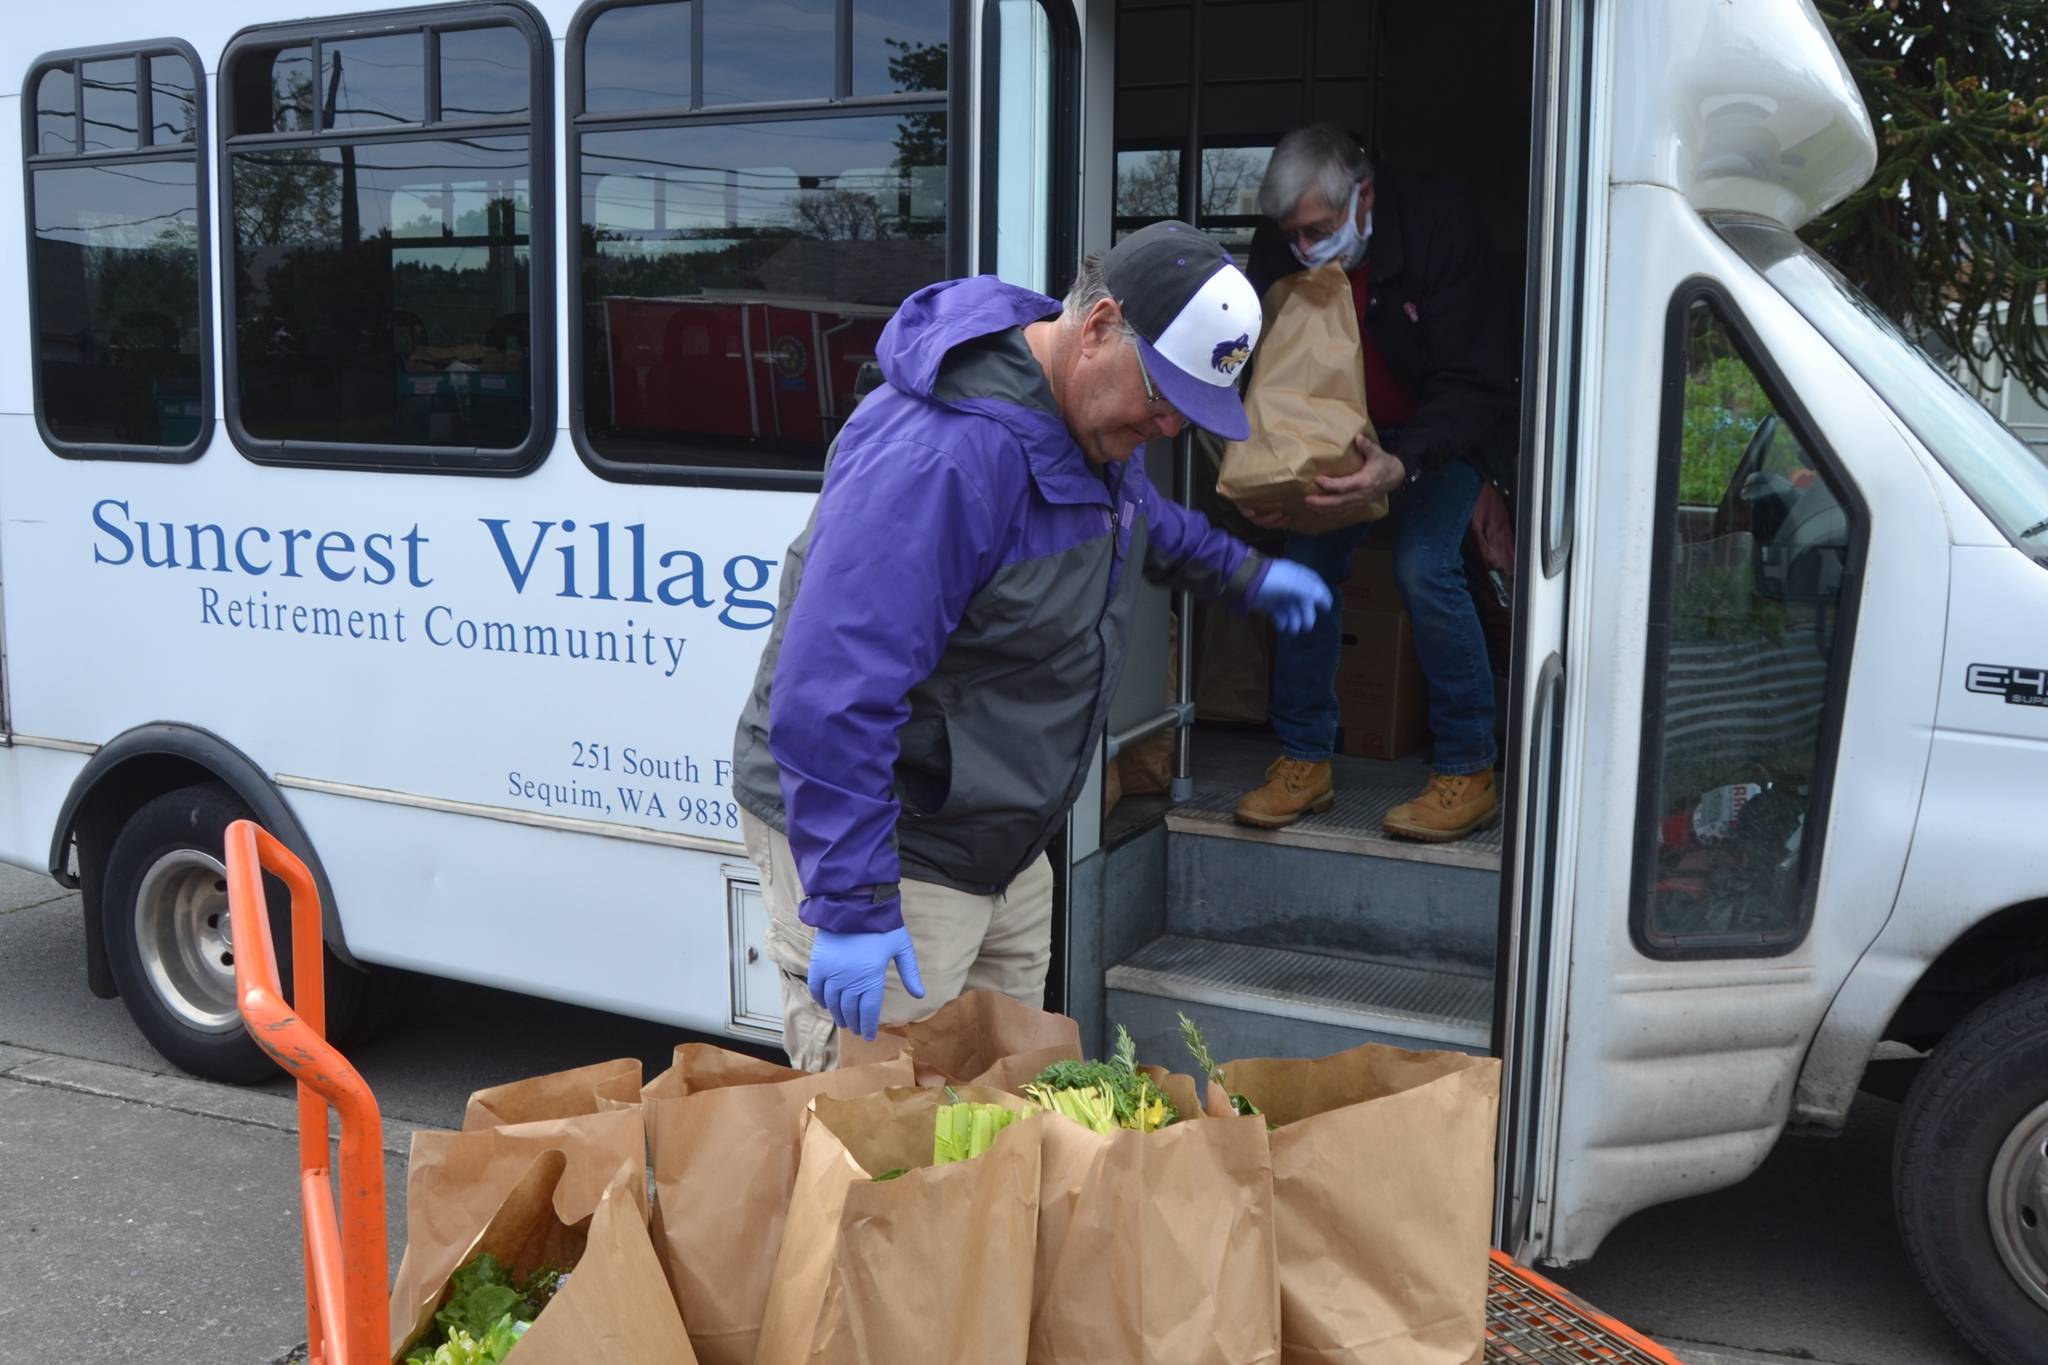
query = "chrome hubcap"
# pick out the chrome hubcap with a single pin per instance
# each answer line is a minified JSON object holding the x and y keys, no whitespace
{"x":2019,"y":1204}
{"x":187,"y":940}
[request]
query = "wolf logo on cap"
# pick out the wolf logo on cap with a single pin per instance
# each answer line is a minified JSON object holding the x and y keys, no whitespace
{"x":1229,"y":355}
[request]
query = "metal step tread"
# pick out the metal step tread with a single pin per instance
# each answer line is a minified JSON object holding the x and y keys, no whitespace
{"x":1352,"y":827}
{"x":1381,"y":997}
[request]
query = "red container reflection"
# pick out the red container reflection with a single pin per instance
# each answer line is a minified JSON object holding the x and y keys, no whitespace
{"x":740,"y":365}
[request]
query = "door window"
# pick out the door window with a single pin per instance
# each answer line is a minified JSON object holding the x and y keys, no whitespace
{"x":1757,"y":542}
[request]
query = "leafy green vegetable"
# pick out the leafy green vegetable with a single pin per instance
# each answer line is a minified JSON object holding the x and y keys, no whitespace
{"x":1091,"y":1106}
{"x":478,"y":1295}
{"x":1139,"y":1104}
{"x":463,"y":1349}
{"x":485,"y":1313}
{"x":961,"y":1132}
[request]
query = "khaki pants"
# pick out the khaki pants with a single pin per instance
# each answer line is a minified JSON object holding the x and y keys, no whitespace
{"x":964,"y":942}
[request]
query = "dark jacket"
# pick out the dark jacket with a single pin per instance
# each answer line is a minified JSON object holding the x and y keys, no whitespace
{"x":1444,"y":317}
{"x":953,"y":618}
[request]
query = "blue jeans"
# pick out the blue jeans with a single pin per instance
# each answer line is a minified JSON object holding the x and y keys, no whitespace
{"x":1429,"y":519}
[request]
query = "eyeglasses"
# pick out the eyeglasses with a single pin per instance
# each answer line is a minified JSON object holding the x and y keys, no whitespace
{"x":1316,"y":232}
{"x":1152,"y":398}
{"x":1309,"y":234}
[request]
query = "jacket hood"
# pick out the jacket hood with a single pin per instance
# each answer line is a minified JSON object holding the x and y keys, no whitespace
{"x":941,"y":316}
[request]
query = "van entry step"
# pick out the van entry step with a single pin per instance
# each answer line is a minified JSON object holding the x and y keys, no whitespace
{"x":1434,"y":1008}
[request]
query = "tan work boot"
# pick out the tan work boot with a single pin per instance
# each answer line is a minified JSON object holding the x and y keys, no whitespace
{"x":1294,"y":788}
{"x":1448,"y":808}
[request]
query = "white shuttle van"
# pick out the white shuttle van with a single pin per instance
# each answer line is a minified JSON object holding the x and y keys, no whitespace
{"x":407,"y":411}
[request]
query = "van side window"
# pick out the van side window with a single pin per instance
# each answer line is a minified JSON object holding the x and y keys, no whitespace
{"x":1747,"y":650}
{"x":389,"y":246}
{"x":117,"y":270}
{"x":757,"y":188}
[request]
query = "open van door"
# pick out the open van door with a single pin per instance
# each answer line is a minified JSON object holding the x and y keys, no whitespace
{"x":1557,"y":360}
{"x":1713,"y":822}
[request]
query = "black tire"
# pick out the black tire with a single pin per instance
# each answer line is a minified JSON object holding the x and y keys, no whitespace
{"x":173,"y":964}
{"x":1977,"y":1117}
{"x":363,"y":1006}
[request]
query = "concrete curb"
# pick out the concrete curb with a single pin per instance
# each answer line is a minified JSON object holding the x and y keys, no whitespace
{"x":256,"y":1108}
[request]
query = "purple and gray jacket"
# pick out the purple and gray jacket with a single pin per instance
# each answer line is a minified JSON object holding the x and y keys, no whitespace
{"x":953,"y":619}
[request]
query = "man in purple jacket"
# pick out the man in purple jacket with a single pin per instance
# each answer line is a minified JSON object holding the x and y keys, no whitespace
{"x":953,"y":620}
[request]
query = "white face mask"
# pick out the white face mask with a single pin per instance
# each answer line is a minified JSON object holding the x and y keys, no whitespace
{"x":1346,"y":244}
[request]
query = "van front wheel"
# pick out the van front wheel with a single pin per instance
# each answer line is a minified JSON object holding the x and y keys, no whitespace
{"x":1970,"y":1175}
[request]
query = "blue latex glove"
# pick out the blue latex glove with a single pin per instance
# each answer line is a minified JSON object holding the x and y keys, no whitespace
{"x":848,"y":972}
{"x":1293,"y":595}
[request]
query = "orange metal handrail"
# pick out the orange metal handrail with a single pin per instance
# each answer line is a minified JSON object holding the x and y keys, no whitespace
{"x":348,"y":1316}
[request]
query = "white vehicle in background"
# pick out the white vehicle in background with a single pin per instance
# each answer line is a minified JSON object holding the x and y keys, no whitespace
{"x":412,"y":407}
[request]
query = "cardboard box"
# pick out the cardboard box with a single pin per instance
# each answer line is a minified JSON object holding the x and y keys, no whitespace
{"x":1382,"y":700}
{"x":1233,"y":665}
{"x":1371,"y":585}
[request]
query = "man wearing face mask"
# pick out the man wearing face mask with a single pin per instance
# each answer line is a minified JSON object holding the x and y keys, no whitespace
{"x":1436,"y":325}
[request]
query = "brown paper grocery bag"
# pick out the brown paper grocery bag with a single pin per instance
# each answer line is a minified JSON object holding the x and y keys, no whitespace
{"x":559,"y":1095}
{"x":1156,"y":1248}
{"x":968,"y":1038}
{"x":1146,"y":768}
{"x":1305,"y":402}
{"x":931,"y":1268}
{"x":455,"y":1183}
{"x":613,"y":1308}
{"x":725,"y":1131}
{"x":523,"y":1232}
{"x":1019,"y":1069}
{"x":1383,"y":1184}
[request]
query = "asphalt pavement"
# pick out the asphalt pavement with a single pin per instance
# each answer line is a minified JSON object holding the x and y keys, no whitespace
{"x":153,"y":1216}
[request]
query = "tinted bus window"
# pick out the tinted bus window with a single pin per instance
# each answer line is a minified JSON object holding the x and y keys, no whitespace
{"x":769,"y":51}
{"x":483,"y":74}
{"x":173,"y":102}
{"x":111,"y":109}
{"x":376,"y":82}
{"x":387,"y":276}
{"x":382,"y":293}
{"x":637,"y":57}
{"x":899,"y":47}
{"x":117,"y":279}
{"x":738,"y":278}
{"x":736,"y":270}
{"x":272,"y":90}
{"x":56,"y":112}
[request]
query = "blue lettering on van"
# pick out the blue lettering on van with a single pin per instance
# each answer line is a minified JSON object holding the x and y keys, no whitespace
{"x":584,"y":566}
{"x":258,"y":551}
{"x":594,"y":561}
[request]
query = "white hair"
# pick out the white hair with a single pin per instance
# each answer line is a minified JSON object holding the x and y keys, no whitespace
{"x":1089,"y":288}
{"x":1321,"y":157}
